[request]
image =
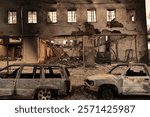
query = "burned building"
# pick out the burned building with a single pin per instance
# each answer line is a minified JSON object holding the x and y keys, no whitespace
{"x":97,"y":30}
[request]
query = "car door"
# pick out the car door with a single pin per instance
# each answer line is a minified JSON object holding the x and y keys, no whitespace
{"x":28,"y":81}
{"x":136,"y":80}
{"x":8,"y":80}
{"x":54,"y":78}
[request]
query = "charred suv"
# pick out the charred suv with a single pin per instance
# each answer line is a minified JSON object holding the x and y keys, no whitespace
{"x":123,"y":79}
{"x":34,"y":81}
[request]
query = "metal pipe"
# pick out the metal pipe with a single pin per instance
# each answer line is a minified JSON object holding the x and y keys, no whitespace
{"x":22,"y":26}
{"x":7,"y":57}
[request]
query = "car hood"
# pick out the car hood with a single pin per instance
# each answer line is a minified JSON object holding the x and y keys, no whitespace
{"x":101,"y":76}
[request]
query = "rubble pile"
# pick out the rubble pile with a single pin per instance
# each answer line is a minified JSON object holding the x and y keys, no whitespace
{"x":71,"y":62}
{"x":55,"y":54}
{"x":78,"y":75}
{"x":60,"y":57}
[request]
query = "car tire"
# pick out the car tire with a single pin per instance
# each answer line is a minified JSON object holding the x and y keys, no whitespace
{"x":107,"y":94}
{"x":44,"y":94}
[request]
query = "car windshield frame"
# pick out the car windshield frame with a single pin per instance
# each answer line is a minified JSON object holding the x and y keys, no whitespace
{"x":8,"y":73}
{"x":115,"y":67}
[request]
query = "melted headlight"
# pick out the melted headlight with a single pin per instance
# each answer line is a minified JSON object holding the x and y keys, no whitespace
{"x":90,"y":82}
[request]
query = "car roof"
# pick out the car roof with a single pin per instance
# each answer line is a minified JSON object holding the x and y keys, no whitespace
{"x":131,"y":64}
{"x":52,"y":65}
{"x":36,"y":64}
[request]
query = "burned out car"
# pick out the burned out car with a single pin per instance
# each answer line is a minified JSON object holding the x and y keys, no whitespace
{"x":123,"y":79}
{"x":34,"y":81}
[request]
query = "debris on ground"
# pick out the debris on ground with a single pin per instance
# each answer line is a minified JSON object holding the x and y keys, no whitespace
{"x":71,"y":62}
{"x":78,"y":75}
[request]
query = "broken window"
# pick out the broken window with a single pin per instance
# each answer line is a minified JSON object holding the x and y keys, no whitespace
{"x":32,"y":17}
{"x":9,"y":72}
{"x":119,"y":69}
{"x":136,"y":71}
{"x":30,"y":72}
{"x":1,"y":41}
{"x":111,"y":14}
{"x":52,"y":17}
{"x":106,"y":37}
{"x":14,"y":49}
{"x":52,"y":72}
{"x":91,"y":15}
{"x":131,"y":15}
{"x":72,"y":16}
{"x":148,"y":45}
{"x":12,"y":17}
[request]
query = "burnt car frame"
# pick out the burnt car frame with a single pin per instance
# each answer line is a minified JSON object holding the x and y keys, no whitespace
{"x":123,"y":79}
{"x":35,"y":81}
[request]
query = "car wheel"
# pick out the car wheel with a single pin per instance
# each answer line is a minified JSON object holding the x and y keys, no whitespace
{"x":44,"y":94}
{"x":107,"y":94}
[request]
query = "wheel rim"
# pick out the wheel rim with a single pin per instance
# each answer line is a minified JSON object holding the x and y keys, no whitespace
{"x":107,"y":94}
{"x":44,"y":94}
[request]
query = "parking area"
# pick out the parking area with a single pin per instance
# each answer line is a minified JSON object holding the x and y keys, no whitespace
{"x":78,"y":75}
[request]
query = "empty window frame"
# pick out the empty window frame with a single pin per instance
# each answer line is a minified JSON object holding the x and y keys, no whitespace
{"x":30,"y":72}
{"x":91,"y":15}
{"x":9,"y":71}
{"x":119,"y":69}
{"x":52,"y":17}
{"x":131,"y":15}
{"x":136,"y":71}
{"x":32,"y":17}
{"x":111,"y":14}
{"x":14,"y":49}
{"x":12,"y":17}
{"x":72,"y":16}
{"x":52,"y":72}
{"x":1,"y":41}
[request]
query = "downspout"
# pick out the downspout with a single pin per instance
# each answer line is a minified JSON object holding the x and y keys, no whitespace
{"x":22,"y":26}
{"x":22,"y":30}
